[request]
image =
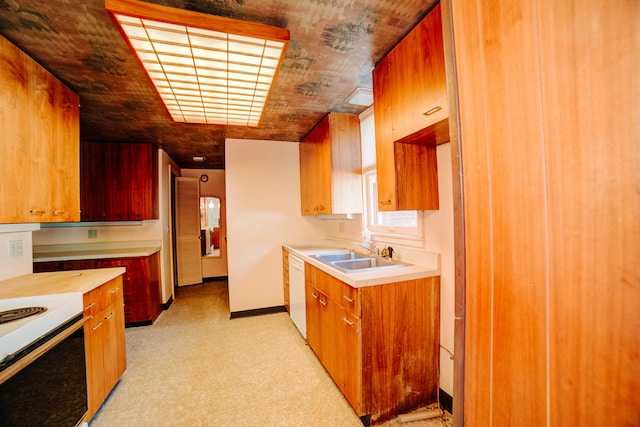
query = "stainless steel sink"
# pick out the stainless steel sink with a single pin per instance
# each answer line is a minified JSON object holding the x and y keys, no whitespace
{"x":359,"y":264}
{"x":339,"y":256}
{"x":351,"y":261}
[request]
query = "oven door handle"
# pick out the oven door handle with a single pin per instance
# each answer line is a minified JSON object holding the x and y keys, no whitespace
{"x":39,"y":351}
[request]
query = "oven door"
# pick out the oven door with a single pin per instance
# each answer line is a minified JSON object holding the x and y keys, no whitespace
{"x":47,"y":386}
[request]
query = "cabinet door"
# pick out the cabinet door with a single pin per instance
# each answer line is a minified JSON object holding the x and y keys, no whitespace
{"x":140,"y":165}
{"x":315,"y":171}
{"x":385,"y":156}
{"x":64,"y":160}
{"x":94,"y":343}
{"x":93,"y":185}
{"x":39,"y":153}
{"x":307,"y":178}
{"x":418,"y":78}
{"x":312,"y":298}
{"x":348,"y":369}
{"x":117,"y":177}
{"x":114,"y":354}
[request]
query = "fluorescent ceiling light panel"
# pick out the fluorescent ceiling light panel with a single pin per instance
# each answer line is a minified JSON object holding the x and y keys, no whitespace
{"x":205,"y":68}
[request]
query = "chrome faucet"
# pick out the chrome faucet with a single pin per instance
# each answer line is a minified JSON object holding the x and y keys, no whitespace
{"x":370,"y":246}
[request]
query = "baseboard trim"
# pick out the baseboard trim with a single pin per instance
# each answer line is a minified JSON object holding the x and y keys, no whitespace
{"x":446,"y":401}
{"x":167,"y":304}
{"x":214,"y":279}
{"x":258,"y":311}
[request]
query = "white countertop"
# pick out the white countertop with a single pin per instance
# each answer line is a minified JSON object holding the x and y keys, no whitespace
{"x":70,"y":252}
{"x":363,"y":278}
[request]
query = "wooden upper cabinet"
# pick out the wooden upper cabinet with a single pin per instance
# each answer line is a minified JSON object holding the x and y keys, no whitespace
{"x":331,"y":167}
{"x":411,"y":117}
{"x":39,"y":153}
{"x":417,"y":78}
{"x":119,"y":182}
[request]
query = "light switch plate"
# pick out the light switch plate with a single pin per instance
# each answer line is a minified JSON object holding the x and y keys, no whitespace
{"x":93,"y":233}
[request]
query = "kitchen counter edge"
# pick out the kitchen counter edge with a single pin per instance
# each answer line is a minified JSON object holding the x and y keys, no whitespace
{"x":363,"y":278}
{"x":58,"y":282}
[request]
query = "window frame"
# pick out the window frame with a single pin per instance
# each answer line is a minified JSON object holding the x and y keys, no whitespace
{"x":410,"y":236}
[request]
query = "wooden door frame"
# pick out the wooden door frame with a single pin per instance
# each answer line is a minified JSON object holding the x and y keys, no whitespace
{"x":458,"y":215}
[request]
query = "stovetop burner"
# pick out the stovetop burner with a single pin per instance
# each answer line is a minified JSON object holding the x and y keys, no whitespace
{"x":20,"y":313}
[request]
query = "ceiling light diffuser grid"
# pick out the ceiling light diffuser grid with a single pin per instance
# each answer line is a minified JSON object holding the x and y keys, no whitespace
{"x":204,"y":75}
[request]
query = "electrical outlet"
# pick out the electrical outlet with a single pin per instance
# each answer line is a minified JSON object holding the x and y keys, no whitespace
{"x":15,"y":248}
{"x":93,"y":233}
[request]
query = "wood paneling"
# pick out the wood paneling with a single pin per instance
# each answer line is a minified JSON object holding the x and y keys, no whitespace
{"x":549,"y":141}
{"x":590,"y":74}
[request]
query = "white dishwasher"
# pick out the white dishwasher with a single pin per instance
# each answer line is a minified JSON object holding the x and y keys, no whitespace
{"x":297,"y":308}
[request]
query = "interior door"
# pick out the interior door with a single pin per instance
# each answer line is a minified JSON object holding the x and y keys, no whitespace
{"x":188,"y":231}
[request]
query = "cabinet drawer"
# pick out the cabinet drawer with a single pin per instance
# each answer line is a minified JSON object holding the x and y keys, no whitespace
{"x":350,"y":300}
{"x":113,"y":291}
{"x":94,"y":301}
{"x":340,"y":293}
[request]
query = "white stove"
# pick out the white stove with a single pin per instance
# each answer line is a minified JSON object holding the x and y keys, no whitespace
{"x":18,"y":334}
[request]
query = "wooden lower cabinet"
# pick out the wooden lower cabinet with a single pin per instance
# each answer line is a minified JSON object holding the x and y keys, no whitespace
{"x":105,"y":346}
{"x":285,"y":279}
{"x":380,"y":344}
{"x":141,"y":283}
{"x":141,"y":287}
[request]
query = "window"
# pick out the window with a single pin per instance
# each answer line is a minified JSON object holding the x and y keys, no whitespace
{"x":400,"y":225}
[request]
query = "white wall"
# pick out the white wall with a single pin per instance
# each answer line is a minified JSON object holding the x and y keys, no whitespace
{"x":214,"y":187}
{"x":17,"y":265}
{"x":263,"y":212}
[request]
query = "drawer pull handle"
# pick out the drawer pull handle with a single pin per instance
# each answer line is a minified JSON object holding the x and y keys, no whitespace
{"x":89,"y":306}
{"x":36,"y":212}
{"x":114,"y":290}
{"x":348,"y":299}
{"x":57,"y":213}
{"x":314,"y":295}
{"x":347,"y":321}
{"x":323,"y":302}
{"x":385,"y":202}
{"x":97,"y":326}
{"x":109,"y":316}
{"x":433,"y":110}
